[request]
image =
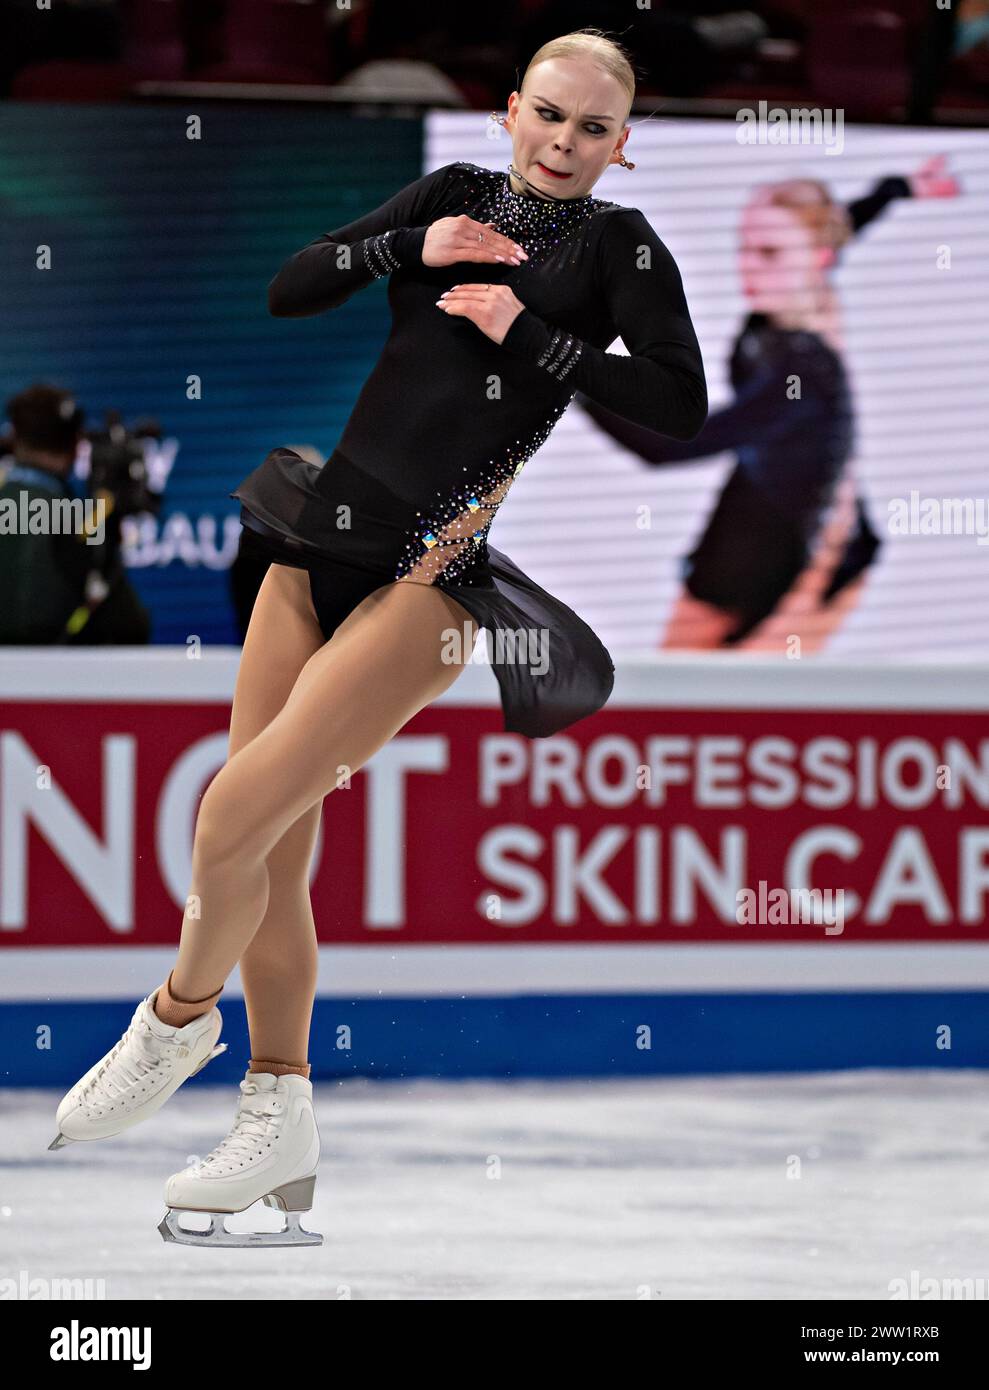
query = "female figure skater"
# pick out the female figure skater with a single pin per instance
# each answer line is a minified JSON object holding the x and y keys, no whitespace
{"x":505,"y":292}
{"x":767,"y":551}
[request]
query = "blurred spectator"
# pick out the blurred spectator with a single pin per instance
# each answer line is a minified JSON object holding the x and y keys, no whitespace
{"x":42,"y":576}
{"x":436,"y":32}
{"x":934,"y":43}
{"x":972,"y":30}
{"x":201,"y":25}
{"x":681,"y":49}
{"x":55,"y":587}
{"x":71,"y":29}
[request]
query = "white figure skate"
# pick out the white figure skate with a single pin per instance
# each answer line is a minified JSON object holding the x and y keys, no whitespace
{"x":271,"y":1154}
{"x":137,"y":1075}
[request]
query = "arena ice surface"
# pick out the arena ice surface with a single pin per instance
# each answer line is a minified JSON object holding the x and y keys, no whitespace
{"x":668,"y":1188}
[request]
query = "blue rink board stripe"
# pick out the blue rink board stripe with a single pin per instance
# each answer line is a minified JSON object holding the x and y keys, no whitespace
{"x":549,"y":1035}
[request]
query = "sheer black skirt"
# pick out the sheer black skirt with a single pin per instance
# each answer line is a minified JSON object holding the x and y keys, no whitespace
{"x":350,"y":532}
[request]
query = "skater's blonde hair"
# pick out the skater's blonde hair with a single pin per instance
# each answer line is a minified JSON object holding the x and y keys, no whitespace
{"x":594,"y":44}
{"x":829,"y":222}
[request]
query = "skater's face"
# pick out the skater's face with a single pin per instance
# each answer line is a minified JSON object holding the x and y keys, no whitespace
{"x":567,"y":125}
{"x":779,"y":260}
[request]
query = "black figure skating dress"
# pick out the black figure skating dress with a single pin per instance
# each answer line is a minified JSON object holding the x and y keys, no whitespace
{"x":448,"y":418}
{"x":791,"y":454}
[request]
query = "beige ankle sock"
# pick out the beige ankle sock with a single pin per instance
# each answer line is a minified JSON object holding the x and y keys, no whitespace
{"x":281,"y":1068}
{"x":178,"y":1012}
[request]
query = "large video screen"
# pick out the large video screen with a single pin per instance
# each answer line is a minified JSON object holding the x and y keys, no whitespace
{"x":836,"y":500}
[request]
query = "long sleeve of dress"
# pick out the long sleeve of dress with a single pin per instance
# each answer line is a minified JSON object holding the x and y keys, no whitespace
{"x":863,"y":210}
{"x":753,"y":417}
{"x":326,"y":272}
{"x":660,"y":384}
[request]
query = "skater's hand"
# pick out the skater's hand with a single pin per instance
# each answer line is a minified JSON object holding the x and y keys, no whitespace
{"x":453,"y":239}
{"x":493,"y":308}
{"x":929,"y":180}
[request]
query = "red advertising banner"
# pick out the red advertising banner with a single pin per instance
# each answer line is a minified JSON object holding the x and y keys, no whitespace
{"x":644,"y":824}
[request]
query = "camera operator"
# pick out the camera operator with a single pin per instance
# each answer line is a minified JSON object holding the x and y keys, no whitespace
{"x":58,"y":587}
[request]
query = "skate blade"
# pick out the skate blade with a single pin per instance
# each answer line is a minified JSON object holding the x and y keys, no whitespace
{"x":60,"y":1141}
{"x":216,"y":1234}
{"x":220,"y":1047}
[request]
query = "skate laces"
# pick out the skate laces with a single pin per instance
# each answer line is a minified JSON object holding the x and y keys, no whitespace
{"x":138,"y":1053}
{"x":252,"y":1126}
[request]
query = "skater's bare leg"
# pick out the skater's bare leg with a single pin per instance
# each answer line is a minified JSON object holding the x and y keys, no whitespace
{"x":278,"y":968}
{"x":694,"y":625}
{"x":282,"y":636}
{"x":801,"y":622}
{"x":386,"y":662}
{"x":144,"y":1069}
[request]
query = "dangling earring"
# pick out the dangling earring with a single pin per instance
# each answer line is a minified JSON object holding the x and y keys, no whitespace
{"x":502,"y":120}
{"x":626,"y":163}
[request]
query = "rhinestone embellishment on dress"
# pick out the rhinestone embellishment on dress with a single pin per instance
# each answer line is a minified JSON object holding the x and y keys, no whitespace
{"x":378,"y":256}
{"x":560,"y":354}
{"x":538,"y":224}
{"x":454,"y":537}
